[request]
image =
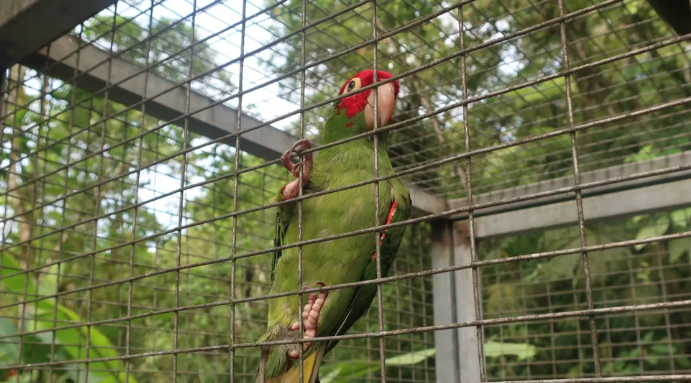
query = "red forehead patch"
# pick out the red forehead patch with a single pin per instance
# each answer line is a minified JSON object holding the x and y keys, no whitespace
{"x":357,"y":102}
{"x":367,"y":78}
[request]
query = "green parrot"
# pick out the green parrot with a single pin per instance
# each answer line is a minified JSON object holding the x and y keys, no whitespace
{"x":334,"y":262}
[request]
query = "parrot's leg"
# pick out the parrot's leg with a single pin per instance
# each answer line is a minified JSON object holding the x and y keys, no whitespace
{"x":291,"y":189}
{"x":310,"y":319}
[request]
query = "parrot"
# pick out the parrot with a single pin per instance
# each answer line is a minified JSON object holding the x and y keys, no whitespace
{"x":333,"y":262}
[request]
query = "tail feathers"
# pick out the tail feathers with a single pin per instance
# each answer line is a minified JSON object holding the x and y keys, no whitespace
{"x":261,"y":373}
{"x":310,"y":369}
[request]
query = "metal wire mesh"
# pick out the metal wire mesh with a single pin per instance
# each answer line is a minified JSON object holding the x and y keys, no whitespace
{"x":138,"y":171}
{"x":651,"y":342}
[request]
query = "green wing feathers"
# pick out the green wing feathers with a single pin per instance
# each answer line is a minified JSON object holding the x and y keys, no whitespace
{"x":390,"y":243}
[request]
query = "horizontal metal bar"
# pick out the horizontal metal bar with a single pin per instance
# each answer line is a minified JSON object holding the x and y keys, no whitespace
{"x":35,"y":62}
{"x":379,"y":334}
{"x":613,"y":379}
{"x":380,"y":228}
{"x":269,"y":143}
{"x":477,"y":264}
{"x":431,"y":64}
{"x":425,"y":203}
{"x":214,"y":121}
{"x":441,"y":110}
{"x":606,"y":206}
{"x":623,"y":170}
{"x":28,"y":25}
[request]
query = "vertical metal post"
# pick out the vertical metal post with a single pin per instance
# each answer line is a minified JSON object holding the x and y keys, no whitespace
{"x":236,"y":191}
{"x":445,"y":341}
{"x":135,"y":212}
{"x":181,"y":200}
{"x":303,"y":82}
{"x":471,"y":345}
{"x":97,"y":196}
{"x":377,"y":244}
{"x":468,"y":339}
{"x":579,"y":196}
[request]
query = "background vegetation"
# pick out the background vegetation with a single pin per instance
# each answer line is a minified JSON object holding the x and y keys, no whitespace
{"x":630,"y":344}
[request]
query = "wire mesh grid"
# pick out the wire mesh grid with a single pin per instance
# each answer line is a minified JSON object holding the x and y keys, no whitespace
{"x":650,"y":342}
{"x":137,"y":239}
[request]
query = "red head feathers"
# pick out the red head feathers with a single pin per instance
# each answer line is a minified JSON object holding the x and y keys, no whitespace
{"x":386,"y":95}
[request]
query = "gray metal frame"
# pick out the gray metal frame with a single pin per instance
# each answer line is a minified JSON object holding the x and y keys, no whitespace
{"x":452,"y":291}
{"x":27,"y":25}
{"x":457,"y":356}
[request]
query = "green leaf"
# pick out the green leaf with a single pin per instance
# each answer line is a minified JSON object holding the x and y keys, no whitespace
{"x":648,"y":337}
{"x":541,"y":92}
{"x":660,"y":349}
{"x":9,"y":347}
{"x":680,"y":217}
{"x":359,"y":368}
{"x":683,"y":362}
{"x":410,"y":358}
{"x":562,"y":267}
{"x":331,"y":375}
{"x":352,"y":369}
{"x":677,"y":248}
{"x":638,"y":218}
{"x":522,"y":351}
{"x":659,"y":228}
{"x":633,"y":7}
{"x":70,"y":338}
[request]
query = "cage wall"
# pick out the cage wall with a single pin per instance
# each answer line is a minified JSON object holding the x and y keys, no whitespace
{"x":137,"y":239}
{"x":639,"y":343}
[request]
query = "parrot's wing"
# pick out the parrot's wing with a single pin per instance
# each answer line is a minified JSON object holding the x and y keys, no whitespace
{"x":362,"y":299}
{"x":281,"y":228}
{"x":284,"y":215}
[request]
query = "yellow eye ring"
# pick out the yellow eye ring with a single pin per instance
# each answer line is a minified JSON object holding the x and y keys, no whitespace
{"x":353,"y":85}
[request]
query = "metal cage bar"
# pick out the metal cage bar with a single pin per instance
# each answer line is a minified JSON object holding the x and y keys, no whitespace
{"x":137,"y":177}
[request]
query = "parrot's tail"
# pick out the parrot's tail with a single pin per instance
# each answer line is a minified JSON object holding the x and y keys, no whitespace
{"x":310,"y":369}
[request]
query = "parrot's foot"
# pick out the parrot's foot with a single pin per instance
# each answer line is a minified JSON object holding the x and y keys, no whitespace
{"x":297,"y":148}
{"x":310,"y":318}
{"x":291,"y":189}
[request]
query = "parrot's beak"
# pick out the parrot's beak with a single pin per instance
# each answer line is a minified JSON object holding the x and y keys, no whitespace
{"x":386,"y":98}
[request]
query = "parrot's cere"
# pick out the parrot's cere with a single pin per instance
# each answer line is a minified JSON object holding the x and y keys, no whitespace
{"x":334,"y":262}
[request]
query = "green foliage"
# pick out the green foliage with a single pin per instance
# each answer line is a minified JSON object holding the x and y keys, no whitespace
{"x":639,"y":274}
{"x":170,"y":46}
{"x":521,"y":351}
{"x":346,"y":371}
{"x":598,"y":92}
{"x":621,"y":276}
{"x":69,"y":342}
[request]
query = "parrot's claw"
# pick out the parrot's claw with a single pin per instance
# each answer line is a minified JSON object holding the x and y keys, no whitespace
{"x":310,"y":318}
{"x":291,"y":189}
{"x":293,"y":168}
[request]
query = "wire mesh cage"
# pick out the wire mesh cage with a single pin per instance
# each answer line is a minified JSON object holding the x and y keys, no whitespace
{"x":545,"y":145}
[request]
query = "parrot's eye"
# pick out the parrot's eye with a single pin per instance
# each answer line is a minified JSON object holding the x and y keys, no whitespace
{"x":354,"y":84}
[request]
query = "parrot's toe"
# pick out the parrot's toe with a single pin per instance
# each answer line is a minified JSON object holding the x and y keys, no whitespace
{"x":306,"y":165}
{"x":310,"y":318}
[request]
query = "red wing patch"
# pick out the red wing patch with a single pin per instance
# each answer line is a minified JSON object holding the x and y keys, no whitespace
{"x":392,"y":211}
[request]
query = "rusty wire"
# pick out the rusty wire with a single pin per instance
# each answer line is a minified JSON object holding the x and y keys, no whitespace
{"x":244,"y":210}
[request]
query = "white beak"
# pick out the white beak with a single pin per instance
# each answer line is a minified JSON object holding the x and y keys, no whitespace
{"x":385,"y":103}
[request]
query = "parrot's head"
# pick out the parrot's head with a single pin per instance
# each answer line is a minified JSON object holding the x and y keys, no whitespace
{"x":363,"y":102}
